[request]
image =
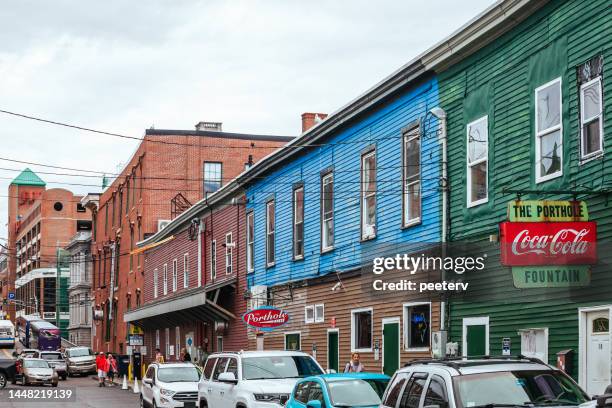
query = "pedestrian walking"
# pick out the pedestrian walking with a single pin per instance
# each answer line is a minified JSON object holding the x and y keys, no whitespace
{"x":353,"y":366}
{"x":101,"y":365}
{"x":159,"y":357}
{"x":187,"y":356}
{"x":112,"y":369}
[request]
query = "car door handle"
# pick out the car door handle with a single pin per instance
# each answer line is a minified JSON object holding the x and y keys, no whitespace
{"x":210,"y":390}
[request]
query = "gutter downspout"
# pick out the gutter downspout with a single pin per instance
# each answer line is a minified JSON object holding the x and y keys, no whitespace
{"x":200,"y":252}
{"x":440,"y":114}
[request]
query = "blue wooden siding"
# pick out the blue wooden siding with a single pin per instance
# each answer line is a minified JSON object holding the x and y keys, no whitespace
{"x":381,"y":127}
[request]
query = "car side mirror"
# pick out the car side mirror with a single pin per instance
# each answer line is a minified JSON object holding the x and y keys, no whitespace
{"x":147,"y":381}
{"x":228,"y":378}
{"x":604,"y":401}
{"x":313,"y":404}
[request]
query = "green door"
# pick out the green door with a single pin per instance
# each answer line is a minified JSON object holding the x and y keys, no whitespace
{"x":476,"y":338}
{"x":390,"y":348}
{"x":332,"y":351}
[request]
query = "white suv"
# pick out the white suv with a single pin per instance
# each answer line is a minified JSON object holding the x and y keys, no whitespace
{"x":170,"y":385}
{"x":253,"y":379}
{"x":485,"y":382}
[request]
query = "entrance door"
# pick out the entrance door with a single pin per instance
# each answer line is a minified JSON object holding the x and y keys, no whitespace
{"x":332,"y":351}
{"x":391,"y":346}
{"x":476,"y":336}
{"x":597,"y":352}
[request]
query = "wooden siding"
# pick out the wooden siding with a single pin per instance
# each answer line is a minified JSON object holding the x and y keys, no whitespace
{"x":502,"y":76}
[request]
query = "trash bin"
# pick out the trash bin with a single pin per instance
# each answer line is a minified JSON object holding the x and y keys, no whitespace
{"x":123,"y":363}
{"x":565,"y":361}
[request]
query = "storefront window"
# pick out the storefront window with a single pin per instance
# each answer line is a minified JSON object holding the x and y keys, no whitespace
{"x":362,"y":329}
{"x":417,"y":324}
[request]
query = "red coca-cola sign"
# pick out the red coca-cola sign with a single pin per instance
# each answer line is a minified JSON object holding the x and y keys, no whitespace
{"x":265,"y":318}
{"x":548,"y":243}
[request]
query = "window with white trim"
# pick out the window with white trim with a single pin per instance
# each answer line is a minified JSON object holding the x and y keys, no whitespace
{"x":250,"y":242}
{"x":212,"y":176}
{"x":417,"y":326}
{"x":165,"y":278}
{"x":591,"y":118}
{"x":174,"y":275}
{"x":309,"y":314}
{"x":361,"y":330}
{"x":186,"y":270}
{"x":477,"y":161}
{"x":319,"y":313}
{"x":270,"y":226}
{"x":155,"y":279}
{"x":368,"y":195}
{"x":548,"y":131}
{"x":411,"y":176}
{"x":298,"y":223}
{"x":167,"y":343}
{"x":228,"y":253}
{"x":327,"y":212}
{"x":213,"y":260}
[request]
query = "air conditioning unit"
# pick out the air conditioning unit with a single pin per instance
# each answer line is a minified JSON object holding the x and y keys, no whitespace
{"x":438,"y":343}
{"x":259,"y":296}
{"x":161,"y":224}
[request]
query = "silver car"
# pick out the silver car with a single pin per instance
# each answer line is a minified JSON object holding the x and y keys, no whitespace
{"x":36,"y":371}
{"x":80,"y":360}
{"x":55,"y":360}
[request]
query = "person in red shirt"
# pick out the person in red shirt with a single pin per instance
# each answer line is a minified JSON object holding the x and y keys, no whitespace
{"x":102,"y":367}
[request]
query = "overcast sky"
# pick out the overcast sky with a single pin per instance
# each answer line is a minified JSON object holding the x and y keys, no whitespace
{"x":124,"y":66}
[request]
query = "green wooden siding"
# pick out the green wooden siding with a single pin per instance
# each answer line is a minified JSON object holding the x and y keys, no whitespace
{"x":500,"y":81}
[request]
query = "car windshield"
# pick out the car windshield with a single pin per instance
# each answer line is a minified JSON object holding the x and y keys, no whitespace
{"x":272,"y":367}
{"x":378,"y":385}
{"x":35,"y":364}
{"x":51,"y":356}
{"x":352,"y":393}
{"x":178,"y":374}
{"x":533,"y":387}
{"x":80,"y":352}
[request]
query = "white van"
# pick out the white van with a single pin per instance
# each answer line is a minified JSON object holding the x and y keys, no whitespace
{"x":7,"y":333}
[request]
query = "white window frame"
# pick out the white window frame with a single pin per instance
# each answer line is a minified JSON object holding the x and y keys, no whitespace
{"x":185,"y":270}
{"x":250,"y":242}
{"x":539,"y":134}
{"x":319,"y":318}
{"x":270,"y":234}
{"x":155,"y":282}
{"x":308,"y":320}
{"x":167,"y":343}
{"x":229,"y":253}
{"x":325,"y":246}
{"x":285,"y":334}
{"x":213,"y":260}
{"x":295,"y":222}
{"x":354,"y":312}
{"x":409,"y":134}
{"x":174,"y":275}
{"x":165,"y":279}
{"x":585,"y":157}
{"x":368,"y":231}
{"x":157,"y":341}
{"x":469,"y":165}
{"x":406,"y":327}
{"x":474,"y":321}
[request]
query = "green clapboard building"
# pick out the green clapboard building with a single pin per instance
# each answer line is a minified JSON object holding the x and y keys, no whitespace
{"x":529,"y":118}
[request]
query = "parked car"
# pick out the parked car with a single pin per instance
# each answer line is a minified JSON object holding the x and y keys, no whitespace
{"x":170,"y":385}
{"x":339,"y":390}
{"x":80,"y":360}
{"x":252,"y":379}
{"x":7,"y":371}
{"x":35,"y":371}
{"x":55,"y":360}
{"x":504,"y":381}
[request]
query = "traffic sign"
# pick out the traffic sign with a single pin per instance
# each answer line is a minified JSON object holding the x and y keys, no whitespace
{"x":11,"y":295}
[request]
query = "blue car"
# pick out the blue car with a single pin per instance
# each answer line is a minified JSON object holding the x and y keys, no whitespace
{"x":339,"y":390}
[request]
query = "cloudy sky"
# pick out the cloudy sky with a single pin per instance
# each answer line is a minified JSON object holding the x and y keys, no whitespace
{"x":124,"y":66}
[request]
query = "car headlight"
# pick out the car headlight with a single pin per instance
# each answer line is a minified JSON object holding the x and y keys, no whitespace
{"x":167,"y":393}
{"x":278,"y":398}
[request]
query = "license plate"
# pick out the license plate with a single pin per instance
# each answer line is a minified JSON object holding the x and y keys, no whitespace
{"x":189,"y":404}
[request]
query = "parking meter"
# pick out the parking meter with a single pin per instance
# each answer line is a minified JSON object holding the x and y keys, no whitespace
{"x":137,"y":365}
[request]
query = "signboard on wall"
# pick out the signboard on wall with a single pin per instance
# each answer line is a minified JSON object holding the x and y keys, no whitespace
{"x":265,"y":318}
{"x":548,"y":243}
{"x":547,"y":211}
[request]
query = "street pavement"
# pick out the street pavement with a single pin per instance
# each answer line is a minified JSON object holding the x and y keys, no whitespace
{"x":87,"y":393}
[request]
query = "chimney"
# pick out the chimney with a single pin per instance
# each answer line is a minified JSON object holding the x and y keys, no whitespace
{"x":210,"y":126}
{"x":310,"y":119}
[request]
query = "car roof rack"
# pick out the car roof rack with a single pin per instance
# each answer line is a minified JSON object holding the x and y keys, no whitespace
{"x":465,"y":361}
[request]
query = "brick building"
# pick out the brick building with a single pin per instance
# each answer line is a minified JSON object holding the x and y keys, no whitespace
{"x":40,"y":223}
{"x":169,"y":170}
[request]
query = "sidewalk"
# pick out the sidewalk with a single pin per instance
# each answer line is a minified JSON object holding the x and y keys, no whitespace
{"x":118,"y":382}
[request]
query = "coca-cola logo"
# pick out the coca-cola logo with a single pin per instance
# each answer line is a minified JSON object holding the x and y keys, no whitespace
{"x":548,"y":243}
{"x":266,"y":318}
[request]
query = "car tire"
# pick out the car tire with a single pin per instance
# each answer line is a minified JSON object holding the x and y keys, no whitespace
{"x":64,"y":376}
{"x":3,"y":380}
{"x":154,"y":404}
{"x":203,"y":404}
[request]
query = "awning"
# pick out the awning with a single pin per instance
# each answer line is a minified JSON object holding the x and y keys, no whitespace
{"x":194,"y":304}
